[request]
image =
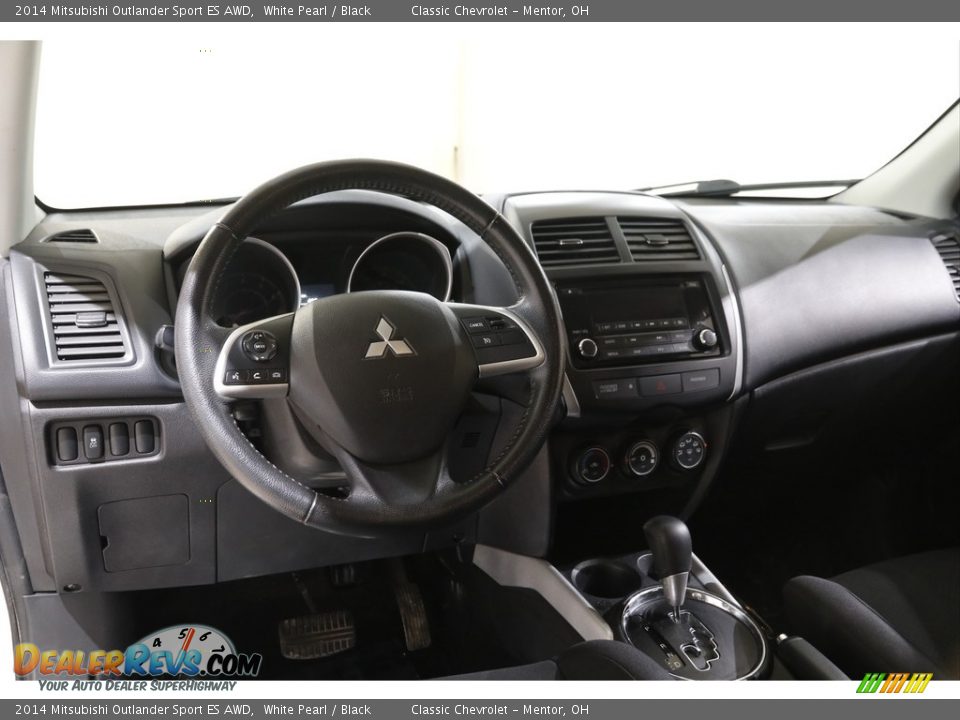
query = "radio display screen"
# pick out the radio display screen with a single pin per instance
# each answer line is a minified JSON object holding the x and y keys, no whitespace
{"x":634,"y":321}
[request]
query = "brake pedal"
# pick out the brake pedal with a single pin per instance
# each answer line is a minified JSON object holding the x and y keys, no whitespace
{"x":320,"y":635}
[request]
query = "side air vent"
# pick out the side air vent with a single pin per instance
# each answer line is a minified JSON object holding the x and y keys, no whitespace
{"x":948,"y":245}
{"x":84,"y":320}
{"x":74,"y":236}
{"x":574,"y":241}
{"x":658,"y":239}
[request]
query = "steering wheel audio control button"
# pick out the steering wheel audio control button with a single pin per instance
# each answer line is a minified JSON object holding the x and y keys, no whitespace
{"x":259,"y":345}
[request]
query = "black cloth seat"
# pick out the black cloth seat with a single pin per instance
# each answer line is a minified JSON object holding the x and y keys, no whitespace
{"x":592,"y":660}
{"x":901,"y":615}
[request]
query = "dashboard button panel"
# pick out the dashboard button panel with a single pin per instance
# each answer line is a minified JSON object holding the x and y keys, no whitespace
{"x":624,"y":388}
{"x":657,"y":385}
{"x":701,"y":380}
{"x":105,"y":439}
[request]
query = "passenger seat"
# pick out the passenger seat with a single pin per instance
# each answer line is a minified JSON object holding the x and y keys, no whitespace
{"x":901,"y":615}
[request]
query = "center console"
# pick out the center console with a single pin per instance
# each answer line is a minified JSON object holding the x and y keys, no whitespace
{"x":653,"y":341}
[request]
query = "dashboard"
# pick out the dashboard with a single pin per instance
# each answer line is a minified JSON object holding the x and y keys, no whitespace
{"x":690,"y":325}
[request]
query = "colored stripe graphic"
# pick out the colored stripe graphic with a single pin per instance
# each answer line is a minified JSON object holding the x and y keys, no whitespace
{"x":893,"y":683}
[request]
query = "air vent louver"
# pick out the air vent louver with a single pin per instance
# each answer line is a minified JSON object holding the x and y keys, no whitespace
{"x":948,"y":245}
{"x":84,"y":321}
{"x":658,"y":239}
{"x":74,"y":236}
{"x":574,"y":241}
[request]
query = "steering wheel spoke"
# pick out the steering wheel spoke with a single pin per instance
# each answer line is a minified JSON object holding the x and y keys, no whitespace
{"x":503,"y":343}
{"x":254,"y":360}
{"x":396,"y":484}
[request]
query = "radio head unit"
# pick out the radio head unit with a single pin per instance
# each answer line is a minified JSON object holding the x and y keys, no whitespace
{"x":640,"y":320}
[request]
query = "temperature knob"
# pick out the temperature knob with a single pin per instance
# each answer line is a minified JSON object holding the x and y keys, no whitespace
{"x":587,"y":348}
{"x":688,"y":451}
{"x":591,"y":466}
{"x":642,"y":458}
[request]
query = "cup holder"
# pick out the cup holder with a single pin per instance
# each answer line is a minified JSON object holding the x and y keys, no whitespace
{"x":608,"y":579}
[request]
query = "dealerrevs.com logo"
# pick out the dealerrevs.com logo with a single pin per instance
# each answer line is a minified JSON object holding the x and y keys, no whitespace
{"x":887,"y":683}
{"x":188,"y":651}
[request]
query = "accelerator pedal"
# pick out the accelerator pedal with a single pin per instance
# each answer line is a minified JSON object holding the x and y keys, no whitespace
{"x":319,"y":635}
{"x":413,"y":611}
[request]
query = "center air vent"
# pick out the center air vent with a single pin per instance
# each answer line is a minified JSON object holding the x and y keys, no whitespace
{"x":83,"y":318}
{"x":74,"y":236}
{"x":574,"y":241}
{"x":658,"y":239}
{"x":948,"y":245}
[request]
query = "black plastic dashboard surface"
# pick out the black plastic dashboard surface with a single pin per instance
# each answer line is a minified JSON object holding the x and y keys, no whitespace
{"x":817,"y":281}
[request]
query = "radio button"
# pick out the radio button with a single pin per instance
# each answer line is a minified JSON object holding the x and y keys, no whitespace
{"x":658,"y":385}
{"x":610,"y":342}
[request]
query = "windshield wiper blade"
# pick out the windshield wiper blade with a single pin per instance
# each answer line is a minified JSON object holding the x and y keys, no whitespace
{"x":727,"y":188}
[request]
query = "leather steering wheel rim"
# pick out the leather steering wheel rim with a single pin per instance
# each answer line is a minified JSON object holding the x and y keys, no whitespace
{"x":198,"y":339}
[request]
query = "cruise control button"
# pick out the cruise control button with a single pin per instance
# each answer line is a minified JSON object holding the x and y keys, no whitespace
{"x":93,"y":442}
{"x":485,"y":340}
{"x":701,"y":380}
{"x":660,"y":385}
{"x":475,"y":324}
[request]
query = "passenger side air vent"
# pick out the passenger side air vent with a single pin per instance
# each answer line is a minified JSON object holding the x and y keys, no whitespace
{"x":74,"y":236}
{"x":658,"y":239}
{"x":84,"y":321}
{"x":948,"y":245}
{"x":574,"y":241}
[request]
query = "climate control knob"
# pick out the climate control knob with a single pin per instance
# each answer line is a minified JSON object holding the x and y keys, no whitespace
{"x":642,"y":458}
{"x":688,"y":451}
{"x":587,"y":348}
{"x":706,"y":339}
{"x":590,"y":466}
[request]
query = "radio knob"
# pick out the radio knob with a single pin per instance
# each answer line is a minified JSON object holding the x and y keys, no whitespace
{"x":587,"y":348}
{"x":706,"y":339}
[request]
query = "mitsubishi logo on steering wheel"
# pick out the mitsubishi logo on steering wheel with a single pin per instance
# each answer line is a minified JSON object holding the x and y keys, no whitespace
{"x":378,"y":348}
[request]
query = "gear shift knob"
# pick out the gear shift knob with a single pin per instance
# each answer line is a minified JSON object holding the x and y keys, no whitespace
{"x":669,"y":541}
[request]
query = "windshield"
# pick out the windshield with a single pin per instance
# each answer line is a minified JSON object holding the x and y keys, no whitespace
{"x":495,"y":108}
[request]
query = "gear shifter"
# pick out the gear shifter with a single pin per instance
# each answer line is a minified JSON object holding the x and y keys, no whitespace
{"x":669,"y":541}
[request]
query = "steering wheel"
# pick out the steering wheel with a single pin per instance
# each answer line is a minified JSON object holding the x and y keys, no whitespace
{"x":380,"y":376}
